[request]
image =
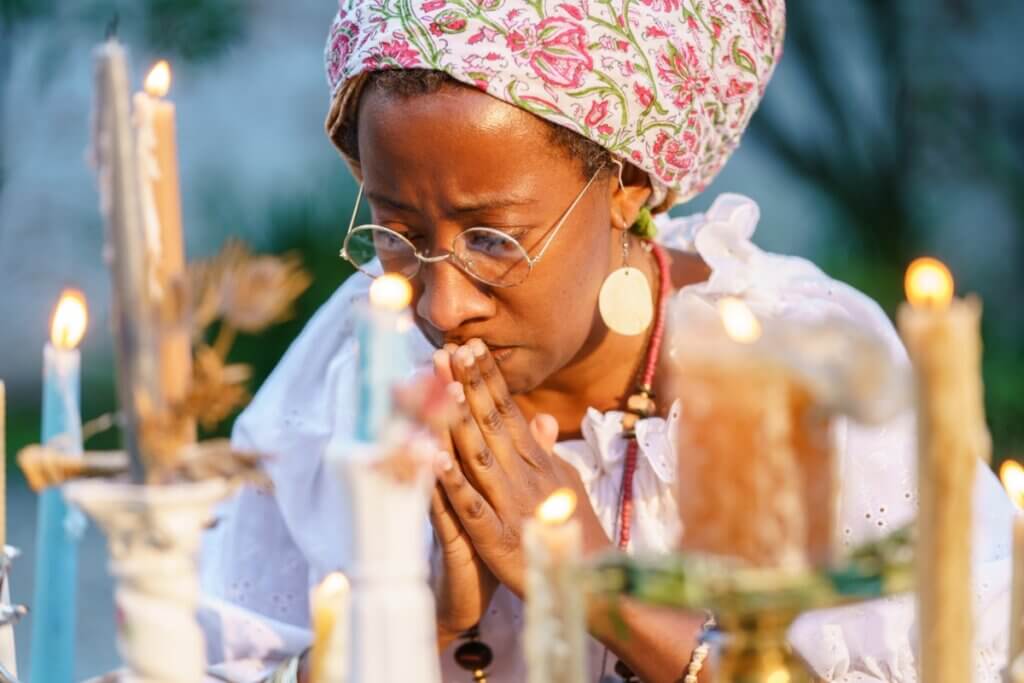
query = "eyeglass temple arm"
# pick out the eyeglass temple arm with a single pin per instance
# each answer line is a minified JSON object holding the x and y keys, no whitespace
{"x":355,"y":209}
{"x":352,"y":221}
{"x":565,"y":216}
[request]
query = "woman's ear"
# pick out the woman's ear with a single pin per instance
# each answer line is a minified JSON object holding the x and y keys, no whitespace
{"x":630,"y":190}
{"x":355,"y":169}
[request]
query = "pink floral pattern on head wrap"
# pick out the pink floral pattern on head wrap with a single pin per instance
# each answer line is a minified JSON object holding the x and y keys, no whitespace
{"x":668,"y":85}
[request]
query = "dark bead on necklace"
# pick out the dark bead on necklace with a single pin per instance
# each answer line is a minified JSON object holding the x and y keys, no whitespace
{"x":474,"y":655}
{"x":625,"y":672}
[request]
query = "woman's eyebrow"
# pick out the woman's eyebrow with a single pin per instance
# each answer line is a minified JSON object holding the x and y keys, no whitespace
{"x":466,"y":206}
{"x":377,"y":198}
{"x":481,"y":204}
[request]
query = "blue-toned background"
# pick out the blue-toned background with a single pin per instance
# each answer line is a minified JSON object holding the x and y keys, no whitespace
{"x":891,"y":129}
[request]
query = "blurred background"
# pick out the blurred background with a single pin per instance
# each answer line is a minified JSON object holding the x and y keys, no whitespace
{"x":890,"y":130}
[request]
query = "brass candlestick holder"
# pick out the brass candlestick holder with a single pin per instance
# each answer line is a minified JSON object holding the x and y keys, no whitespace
{"x":754,"y":608}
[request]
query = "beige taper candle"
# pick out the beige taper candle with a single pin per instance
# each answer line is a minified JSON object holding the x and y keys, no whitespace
{"x":158,"y":169}
{"x":942,"y":336}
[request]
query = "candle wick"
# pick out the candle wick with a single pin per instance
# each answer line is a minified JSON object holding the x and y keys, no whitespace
{"x":112,"y":25}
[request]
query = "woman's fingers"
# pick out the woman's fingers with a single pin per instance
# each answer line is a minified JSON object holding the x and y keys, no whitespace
{"x":443,"y":518}
{"x":518,"y":430}
{"x":489,"y":419}
{"x":475,"y":514}
{"x":443,"y":364}
{"x":475,"y":454}
{"x":495,"y":381}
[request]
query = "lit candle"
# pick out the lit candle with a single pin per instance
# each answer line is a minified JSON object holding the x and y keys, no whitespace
{"x":384,"y":358}
{"x":161,"y":210}
{"x":1012,"y":475}
{"x":755,"y":449}
{"x":943,"y":339}
{"x":330,"y":604}
{"x":135,"y":318}
{"x":555,"y":621}
{"x":53,"y":608}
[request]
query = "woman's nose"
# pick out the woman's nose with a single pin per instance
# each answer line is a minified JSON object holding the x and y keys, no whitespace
{"x":451,"y":298}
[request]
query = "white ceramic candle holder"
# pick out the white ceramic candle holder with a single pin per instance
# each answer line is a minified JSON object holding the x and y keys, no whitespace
{"x":392,"y":621}
{"x":153,"y":535}
{"x":9,"y":615}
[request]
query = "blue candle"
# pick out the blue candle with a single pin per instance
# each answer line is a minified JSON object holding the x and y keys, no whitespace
{"x":382,"y":329}
{"x":58,"y":527}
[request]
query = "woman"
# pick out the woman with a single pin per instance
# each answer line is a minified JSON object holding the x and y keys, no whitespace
{"x":561,"y":127}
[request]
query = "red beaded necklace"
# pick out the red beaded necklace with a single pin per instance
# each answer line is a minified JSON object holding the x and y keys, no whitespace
{"x":476,"y":656}
{"x":641,"y":404}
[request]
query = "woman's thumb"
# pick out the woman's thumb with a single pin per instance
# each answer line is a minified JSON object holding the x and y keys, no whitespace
{"x":544,"y":429}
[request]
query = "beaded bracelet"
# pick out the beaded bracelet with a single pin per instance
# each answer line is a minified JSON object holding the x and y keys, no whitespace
{"x":700,"y":653}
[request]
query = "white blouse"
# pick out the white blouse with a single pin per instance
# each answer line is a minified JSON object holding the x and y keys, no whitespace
{"x":268,"y":550}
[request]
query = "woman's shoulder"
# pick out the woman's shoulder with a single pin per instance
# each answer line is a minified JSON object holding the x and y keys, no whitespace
{"x":774,"y":285}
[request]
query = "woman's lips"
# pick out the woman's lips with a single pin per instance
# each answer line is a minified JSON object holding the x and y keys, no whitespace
{"x":501,"y":353}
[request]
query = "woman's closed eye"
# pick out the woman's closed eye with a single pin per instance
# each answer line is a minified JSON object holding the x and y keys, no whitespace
{"x":492,"y":242}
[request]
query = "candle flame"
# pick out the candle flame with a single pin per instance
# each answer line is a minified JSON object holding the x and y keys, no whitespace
{"x":558,"y":507}
{"x":739,"y":321}
{"x":333,"y":586}
{"x":391,"y":291}
{"x":158,"y":80}
{"x":1012,"y":475}
{"x":929,"y":283}
{"x":70,"y":319}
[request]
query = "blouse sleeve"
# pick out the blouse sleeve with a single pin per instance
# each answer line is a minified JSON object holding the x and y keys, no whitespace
{"x":268,"y":549}
{"x":873,"y":642}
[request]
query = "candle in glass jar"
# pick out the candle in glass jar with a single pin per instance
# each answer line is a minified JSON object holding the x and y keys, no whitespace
{"x":942,"y":336}
{"x":754,"y":447}
{"x":555,"y":619}
{"x":53,"y":607}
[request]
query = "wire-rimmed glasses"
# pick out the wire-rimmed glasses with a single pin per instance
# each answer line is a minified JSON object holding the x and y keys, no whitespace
{"x":489,"y":255}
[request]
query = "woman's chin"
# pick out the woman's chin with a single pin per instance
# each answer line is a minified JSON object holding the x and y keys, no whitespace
{"x":520,"y":374}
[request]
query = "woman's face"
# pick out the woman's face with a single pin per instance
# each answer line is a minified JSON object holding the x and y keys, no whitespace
{"x":435,"y":165}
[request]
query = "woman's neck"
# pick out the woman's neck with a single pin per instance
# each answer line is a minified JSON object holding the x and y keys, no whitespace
{"x":605,"y":375}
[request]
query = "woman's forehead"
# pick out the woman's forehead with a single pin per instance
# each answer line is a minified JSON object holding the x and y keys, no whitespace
{"x":457,"y":136}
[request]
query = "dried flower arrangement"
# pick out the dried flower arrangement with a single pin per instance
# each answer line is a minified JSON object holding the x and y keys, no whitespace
{"x":239,"y":291}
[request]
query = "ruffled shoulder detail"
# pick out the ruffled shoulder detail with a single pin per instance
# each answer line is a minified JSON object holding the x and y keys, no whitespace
{"x":773,"y":285}
{"x":602,"y":450}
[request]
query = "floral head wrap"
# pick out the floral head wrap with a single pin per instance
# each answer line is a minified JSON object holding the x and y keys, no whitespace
{"x":668,"y":85}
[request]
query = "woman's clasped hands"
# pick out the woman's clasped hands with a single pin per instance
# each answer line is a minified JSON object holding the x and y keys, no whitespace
{"x":494,"y":468}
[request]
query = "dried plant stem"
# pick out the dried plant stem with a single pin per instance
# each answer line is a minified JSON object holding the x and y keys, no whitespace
{"x":100,"y":424}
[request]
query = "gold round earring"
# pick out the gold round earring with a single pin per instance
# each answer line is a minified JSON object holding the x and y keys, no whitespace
{"x":625,"y":302}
